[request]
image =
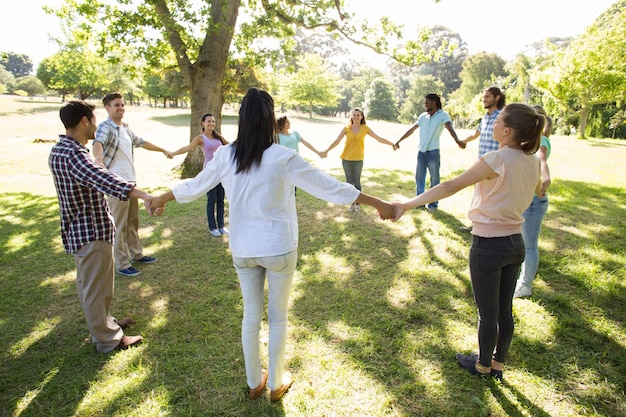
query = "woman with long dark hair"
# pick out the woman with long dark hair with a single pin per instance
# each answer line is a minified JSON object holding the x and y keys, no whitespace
{"x":209,"y":140}
{"x":259,"y":177}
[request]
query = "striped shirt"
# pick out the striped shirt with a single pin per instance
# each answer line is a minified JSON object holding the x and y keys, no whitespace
{"x":486,"y":142}
{"x":80,"y":186}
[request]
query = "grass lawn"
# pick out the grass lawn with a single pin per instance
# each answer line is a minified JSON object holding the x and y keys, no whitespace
{"x":378,"y":309}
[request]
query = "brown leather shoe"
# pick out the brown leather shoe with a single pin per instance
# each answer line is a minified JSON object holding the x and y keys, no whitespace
{"x":277,"y":394}
{"x":128,"y":341}
{"x":255,"y":393}
{"x":124,"y":323}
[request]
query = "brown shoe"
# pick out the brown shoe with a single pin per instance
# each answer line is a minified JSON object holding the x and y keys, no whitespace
{"x":128,"y":341}
{"x":124,"y":323}
{"x":277,"y":394}
{"x":255,"y":393}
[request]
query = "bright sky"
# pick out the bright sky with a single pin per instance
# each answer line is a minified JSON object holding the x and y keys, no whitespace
{"x":504,"y":27}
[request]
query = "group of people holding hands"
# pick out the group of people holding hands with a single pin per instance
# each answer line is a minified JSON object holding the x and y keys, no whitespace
{"x":258,"y":176}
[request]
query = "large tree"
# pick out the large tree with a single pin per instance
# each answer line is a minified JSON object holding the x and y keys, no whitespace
{"x":592,"y":70}
{"x":201,"y":33}
{"x":20,"y":65}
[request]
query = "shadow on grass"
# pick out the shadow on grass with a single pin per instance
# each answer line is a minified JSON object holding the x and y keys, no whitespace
{"x":188,"y":306}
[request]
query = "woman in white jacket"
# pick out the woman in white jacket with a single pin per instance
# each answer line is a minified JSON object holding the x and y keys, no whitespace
{"x":259,"y":176}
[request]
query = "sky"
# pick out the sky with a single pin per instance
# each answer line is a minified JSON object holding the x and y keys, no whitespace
{"x":504,"y":27}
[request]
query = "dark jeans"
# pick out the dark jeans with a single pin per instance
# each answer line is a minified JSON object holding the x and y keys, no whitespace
{"x":215,"y":199}
{"x":494,"y":267}
{"x":353,"y":169}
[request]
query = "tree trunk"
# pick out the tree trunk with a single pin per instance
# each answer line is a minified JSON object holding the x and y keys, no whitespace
{"x":584,"y":116}
{"x":204,"y":77}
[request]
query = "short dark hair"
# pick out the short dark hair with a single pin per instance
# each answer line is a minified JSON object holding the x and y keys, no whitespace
{"x":106,"y":100}
{"x":434,"y":97}
{"x":73,"y":112}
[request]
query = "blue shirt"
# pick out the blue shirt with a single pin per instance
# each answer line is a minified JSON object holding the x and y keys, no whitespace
{"x":431,"y":128}
{"x":486,"y":142}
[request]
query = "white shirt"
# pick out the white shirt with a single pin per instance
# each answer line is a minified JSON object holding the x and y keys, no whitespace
{"x":122,"y":164}
{"x":262,"y":204}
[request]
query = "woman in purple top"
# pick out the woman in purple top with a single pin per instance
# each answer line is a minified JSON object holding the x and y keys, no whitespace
{"x":215,"y":197}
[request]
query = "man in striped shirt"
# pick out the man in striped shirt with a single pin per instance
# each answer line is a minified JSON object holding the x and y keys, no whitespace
{"x":87,"y":229}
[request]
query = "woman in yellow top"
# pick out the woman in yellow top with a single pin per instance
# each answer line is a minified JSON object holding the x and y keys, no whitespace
{"x":354,"y":150}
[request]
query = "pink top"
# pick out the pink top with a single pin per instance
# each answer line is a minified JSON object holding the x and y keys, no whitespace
{"x":498,"y":204}
{"x":209,"y":146}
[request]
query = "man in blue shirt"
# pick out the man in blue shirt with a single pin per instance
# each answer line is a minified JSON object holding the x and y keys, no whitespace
{"x":431,"y":124}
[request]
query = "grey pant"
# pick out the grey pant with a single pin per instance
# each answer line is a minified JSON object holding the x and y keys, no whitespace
{"x":353,"y":170}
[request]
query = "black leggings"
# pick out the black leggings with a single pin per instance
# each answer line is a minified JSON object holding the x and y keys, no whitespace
{"x":494,"y":268}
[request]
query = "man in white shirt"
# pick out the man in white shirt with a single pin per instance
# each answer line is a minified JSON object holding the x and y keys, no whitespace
{"x":113,"y":149}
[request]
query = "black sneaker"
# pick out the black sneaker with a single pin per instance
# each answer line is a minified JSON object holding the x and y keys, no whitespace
{"x":466,"y":362}
{"x":494,"y":372}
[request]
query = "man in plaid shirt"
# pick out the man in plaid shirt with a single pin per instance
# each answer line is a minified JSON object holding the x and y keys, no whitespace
{"x":493,"y":100}
{"x":87,"y":228}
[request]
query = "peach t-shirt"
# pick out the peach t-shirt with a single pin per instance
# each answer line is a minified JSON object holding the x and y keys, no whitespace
{"x":498,"y":204}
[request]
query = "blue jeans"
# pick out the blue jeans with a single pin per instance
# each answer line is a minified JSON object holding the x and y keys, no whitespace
{"x":215,"y":200}
{"x":353,"y":169}
{"x":252,"y":272}
{"x":494,"y":267}
{"x":430,"y":160}
{"x":533,"y":217}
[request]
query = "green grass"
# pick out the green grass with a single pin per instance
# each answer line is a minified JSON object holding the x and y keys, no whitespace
{"x":377,"y":311}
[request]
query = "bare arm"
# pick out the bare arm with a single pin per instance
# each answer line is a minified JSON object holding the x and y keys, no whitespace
{"x":152,"y":147}
{"x":461,"y":144}
{"x":98,"y":153}
{"x":336,"y":142}
{"x":477,"y":172}
{"x":382,"y":140}
{"x":407,"y":134}
{"x":308,"y":145}
{"x":545,"y":171}
{"x":197,"y":141}
{"x":385,"y":209}
{"x":472,"y":137}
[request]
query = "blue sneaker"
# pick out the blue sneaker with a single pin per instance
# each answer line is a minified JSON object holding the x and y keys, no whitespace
{"x":129,"y":272}
{"x":146,"y":260}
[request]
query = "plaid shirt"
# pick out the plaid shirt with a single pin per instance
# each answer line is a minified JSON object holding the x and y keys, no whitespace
{"x":81,"y":185}
{"x":486,"y":142}
{"x":108,"y":134}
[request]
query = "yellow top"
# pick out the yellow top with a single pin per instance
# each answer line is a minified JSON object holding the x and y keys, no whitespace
{"x":355,"y":143}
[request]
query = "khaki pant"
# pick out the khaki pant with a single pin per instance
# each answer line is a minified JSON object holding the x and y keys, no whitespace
{"x":95,"y":284}
{"x":126,"y":218}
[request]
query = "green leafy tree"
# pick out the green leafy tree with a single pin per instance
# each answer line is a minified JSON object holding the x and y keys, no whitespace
{"x":79,"y":72}
{"x":479,"y":71}
{"x":19,"y":65}
{"x":592,"y":70}
{"x":313,"y":84}
{"x":380,"y":103}
{"x":201,"y":34}
{"x":31,"y":84}
{"x":7,"y":81}
{"x":421,"y":85}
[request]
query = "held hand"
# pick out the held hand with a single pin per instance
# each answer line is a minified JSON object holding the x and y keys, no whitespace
{"x":169,"y":154}
{"x":146,"y":202}
{"x":395,"y":146}
{"x":157,"y":205}
{"x":323,"y":154}
{"x":385,"y":211}
{"x":399,"y":210}
{"x":461,"y":144}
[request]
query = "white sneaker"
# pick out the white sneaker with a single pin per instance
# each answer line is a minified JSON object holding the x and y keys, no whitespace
{"x":352,"y":207}
{"x":357,"y":207}
{"x":522,"y":291}
{"x":224,"y":230}
{"x":215,"y":233}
